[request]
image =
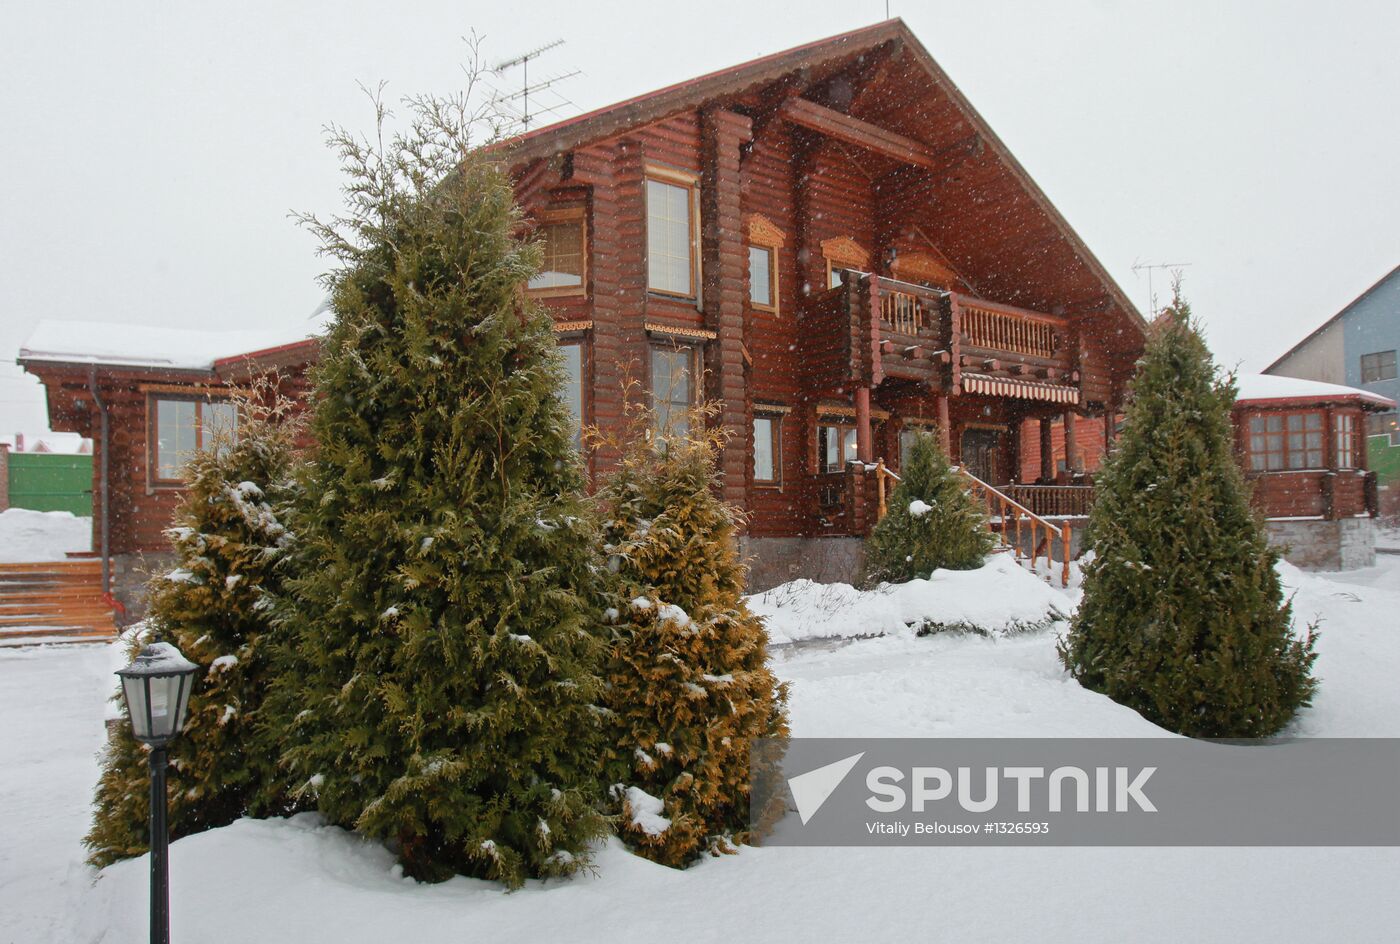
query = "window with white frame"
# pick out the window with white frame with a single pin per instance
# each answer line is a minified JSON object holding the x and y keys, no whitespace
{"x":763,"y":283}
{"x":1344,"y":427}
{"x":573,"y":388}
{"x":767,"y":449}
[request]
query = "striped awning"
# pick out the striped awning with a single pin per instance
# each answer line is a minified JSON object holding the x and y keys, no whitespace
{"x":1024,"y":389}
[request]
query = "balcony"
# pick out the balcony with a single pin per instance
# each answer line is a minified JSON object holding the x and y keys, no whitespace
{"x":871,"y":329}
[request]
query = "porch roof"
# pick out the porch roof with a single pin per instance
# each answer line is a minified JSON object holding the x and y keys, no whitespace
{"x":143,"y":346}
{"x":1273,"y":390}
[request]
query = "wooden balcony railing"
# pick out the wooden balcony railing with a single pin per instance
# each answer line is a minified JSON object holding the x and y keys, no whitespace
{"x":986,"y":327}
{"x":1054,"y":501}
{"x":870,"y":328}
{"x":904,"y":312}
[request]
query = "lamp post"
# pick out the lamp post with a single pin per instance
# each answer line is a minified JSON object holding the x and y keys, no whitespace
{"x":157,"y":691}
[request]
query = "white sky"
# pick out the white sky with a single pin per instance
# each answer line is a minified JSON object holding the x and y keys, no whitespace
{"x":151,"y":150}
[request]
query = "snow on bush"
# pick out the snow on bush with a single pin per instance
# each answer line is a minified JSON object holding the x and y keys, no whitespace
{"x":29,"y":536}
{"x":997,"y":599}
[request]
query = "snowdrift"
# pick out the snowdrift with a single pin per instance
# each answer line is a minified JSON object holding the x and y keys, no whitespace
{"x":998,"y":599}
{"x":29,"y":536}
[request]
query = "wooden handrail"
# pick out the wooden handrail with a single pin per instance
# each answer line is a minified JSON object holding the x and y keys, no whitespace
{"x":998,"y":503}
{"x":1041,"y":532}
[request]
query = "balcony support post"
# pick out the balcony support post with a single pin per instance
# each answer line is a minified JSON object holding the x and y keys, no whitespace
{"x":1047,"y":451}
{"x":865,"y":445}
{"x":945,"y":431}
{"x":1073,"y":464}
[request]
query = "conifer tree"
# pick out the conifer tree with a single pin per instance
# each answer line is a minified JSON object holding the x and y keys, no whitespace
{"x":931,"y":521}
{"x":689,"y":689}
{"x":214,"y":607}
{"x":442,"y":633}
{"x":1183,"y":617}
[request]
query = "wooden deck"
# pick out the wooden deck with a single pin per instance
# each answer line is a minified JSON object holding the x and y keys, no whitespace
{"x":54,"y":602}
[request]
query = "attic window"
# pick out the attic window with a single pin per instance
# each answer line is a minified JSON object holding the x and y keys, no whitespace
{"x":564,"y":236}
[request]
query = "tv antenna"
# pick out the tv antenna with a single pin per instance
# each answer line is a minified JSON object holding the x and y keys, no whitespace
{"x":1151,"y":295}
{"x":517,"y":103}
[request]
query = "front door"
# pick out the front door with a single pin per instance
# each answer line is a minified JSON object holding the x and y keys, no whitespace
{"x":981,"y":449}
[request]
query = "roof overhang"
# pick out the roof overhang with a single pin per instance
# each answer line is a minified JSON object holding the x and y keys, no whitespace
{"x":567,"y":135}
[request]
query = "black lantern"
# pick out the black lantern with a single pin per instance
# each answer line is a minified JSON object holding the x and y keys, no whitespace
{"x":157,"y":691}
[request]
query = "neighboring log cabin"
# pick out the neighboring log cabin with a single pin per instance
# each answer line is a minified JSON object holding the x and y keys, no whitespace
{"x":829,"y":243}
{"x":1303,"y":447}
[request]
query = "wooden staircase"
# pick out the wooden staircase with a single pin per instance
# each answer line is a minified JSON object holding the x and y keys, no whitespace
{"x":1016,"y":527}
{"x":54,"y":602}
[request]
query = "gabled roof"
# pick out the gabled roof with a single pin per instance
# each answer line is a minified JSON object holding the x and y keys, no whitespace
{"x":596,"y":125}
{"x":1330,"y":321}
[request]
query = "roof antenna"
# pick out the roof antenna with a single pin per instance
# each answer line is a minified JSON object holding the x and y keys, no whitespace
{"x":1151,"y":295}
{"x":522,"y":111}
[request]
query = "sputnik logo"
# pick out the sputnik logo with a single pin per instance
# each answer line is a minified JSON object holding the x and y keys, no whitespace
{"x":815,"y":787}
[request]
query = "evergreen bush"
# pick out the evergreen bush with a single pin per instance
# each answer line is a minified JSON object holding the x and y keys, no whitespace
{"x":932,"y":521}
{"x":689,"y":690}
{"x":1183,"y":617}
{"x":214,"y":606}
{"x":442,"y":634}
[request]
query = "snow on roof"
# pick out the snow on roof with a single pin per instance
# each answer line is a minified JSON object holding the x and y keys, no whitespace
{"x":1273,"y":387}
{"x":125,"y":345}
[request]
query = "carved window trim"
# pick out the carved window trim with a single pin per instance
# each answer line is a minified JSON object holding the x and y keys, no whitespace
{"x":843,"y":252}
{"x":765,"y":237}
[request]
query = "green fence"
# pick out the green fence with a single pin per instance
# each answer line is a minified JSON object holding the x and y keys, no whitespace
{"x":46,"y":481}
{"x":1383,"y":457}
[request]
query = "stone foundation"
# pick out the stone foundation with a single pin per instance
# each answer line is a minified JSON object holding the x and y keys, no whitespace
{"x":777,"y":560}
{"x":130,"y":573}
{"x":1317,"y":544}
{"x":772,"y":561}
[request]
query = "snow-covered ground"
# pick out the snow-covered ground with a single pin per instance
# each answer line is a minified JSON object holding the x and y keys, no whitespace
{"x":27,"y":536}
{"x":289,"y":882}
{"x":1388,"y":537}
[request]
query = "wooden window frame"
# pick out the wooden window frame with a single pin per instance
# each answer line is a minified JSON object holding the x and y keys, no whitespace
{"x":153,"y":401}
{"x":843,"y":460}
{"x":1285,"y":452}
{"x":914,"y":424}
{"x":553,"y":217}
{"x":775,"y":434}
{"x":843,"y":252}
{"x":1378,"y":367}
{"x":1344,"y":442}
{"x":690,"y":182}
{"x":772,"y":304}
{"x":696,"y":356}
{"x":585,"y":398}
{"x":766,"y":237}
